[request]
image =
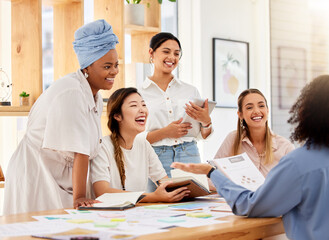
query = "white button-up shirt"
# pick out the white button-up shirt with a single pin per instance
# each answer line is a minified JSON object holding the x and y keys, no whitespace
{"x":64,"y":120}
{"x":167,"y":106}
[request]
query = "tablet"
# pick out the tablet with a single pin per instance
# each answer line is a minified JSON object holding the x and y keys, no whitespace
{"x":194,"y":131}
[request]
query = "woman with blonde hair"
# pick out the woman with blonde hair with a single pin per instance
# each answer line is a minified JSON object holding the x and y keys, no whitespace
{"x":253,"y":134}
{"x":126,"y":159}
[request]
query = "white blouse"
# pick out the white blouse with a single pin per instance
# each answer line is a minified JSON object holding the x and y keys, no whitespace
{"x":141,"y":163}
{"x":167,"y":106}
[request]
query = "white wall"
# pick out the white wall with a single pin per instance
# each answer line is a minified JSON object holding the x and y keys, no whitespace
{"x":202,"y":20}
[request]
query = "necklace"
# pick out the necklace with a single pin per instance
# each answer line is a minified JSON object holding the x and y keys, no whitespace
{"x":261,"y":155}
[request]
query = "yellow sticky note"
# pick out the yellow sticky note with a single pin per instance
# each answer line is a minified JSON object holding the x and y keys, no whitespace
{"x":80,"y":221}
{"x":118,"y":219}
{"x":106,"y":224}
{"x":199,"y":215}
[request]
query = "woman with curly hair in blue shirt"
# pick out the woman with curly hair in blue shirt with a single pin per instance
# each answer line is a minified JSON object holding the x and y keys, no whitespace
{"x":298,"y":187}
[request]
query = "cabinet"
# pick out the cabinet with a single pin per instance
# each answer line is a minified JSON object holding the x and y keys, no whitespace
{"x":26,"y":38}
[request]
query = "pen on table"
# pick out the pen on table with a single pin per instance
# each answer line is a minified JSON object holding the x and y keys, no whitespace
{"x":179,"y":215}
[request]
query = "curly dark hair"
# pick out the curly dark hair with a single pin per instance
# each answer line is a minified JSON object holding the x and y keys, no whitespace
{"x":310,"y":113}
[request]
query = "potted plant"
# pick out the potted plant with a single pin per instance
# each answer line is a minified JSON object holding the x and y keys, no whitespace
{"x":24,"y":99}
{"x":134,"y":12}
{"x":160,"y":1}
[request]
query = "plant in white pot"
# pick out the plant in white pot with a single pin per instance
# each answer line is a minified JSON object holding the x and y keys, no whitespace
{"x":134,"y":12}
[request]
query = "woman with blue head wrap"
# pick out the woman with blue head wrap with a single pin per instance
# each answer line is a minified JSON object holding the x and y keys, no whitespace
{"x":95,"y":47}
{"x":49,"y":168}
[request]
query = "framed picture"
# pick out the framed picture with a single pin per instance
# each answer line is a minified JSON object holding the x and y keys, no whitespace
{"x":291,"y":74}
{"x":230,"y":71}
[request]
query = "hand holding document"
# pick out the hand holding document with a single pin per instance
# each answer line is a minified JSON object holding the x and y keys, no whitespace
{"x":241,"y":170}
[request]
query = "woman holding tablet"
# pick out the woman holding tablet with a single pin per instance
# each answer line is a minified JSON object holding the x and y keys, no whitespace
{"x":166,"y":99}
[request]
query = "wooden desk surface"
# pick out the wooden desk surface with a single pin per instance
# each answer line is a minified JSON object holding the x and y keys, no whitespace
{"x":237,"y":228}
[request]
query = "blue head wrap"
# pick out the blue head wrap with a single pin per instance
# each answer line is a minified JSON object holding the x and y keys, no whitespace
{"x":93,"y":41}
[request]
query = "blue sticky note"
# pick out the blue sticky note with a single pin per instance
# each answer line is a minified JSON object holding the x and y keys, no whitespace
{"x":188,"y":206}
{"x":171,"y":220}
{"x":56,"y":218}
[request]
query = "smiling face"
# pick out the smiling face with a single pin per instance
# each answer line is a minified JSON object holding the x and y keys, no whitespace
{"x":254,"y":111}
{"x":166,"y":57}
{"x":133,"y":115}
{"x":102,"y":72}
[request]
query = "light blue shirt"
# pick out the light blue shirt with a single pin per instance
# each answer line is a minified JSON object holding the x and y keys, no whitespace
{"x":297,"y":188}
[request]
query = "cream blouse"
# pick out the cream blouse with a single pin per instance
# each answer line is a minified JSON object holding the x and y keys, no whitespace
{"x":280,"y":145}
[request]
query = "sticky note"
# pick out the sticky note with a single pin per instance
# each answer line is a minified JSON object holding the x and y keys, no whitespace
{"x":122,"y":236}
{"x":106,"y":224}
{"x":83,"y":211}
{"x":171,"y":220}
{"x":80,"y":221}
{"x":199,"y":215}
{"x":118,"y":219}
{"x":156,"y":207}
{"x":56,"y":218}
{"x":188,"y":206}
{"x":112,"y":215}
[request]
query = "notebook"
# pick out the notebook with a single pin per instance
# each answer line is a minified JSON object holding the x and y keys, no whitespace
{"x":116,"y":201}
{"x":196,"y":183}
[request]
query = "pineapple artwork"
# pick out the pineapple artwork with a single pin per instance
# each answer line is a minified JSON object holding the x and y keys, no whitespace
{"x":231,"y":66}
{"x":230,"y":80}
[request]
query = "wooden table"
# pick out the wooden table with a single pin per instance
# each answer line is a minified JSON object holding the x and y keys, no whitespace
{"x":237,"y":228}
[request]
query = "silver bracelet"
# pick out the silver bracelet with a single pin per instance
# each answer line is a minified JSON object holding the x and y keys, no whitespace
{"x":207,"y":127}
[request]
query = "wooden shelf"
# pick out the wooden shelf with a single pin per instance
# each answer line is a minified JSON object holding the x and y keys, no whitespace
{"x":14,"y":110}
{"x":53,"y":2}
{"x":133,"y":29}
{"x":26,"y":43}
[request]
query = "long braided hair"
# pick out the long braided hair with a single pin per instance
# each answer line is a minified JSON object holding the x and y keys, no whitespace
{"x":114,"y":105}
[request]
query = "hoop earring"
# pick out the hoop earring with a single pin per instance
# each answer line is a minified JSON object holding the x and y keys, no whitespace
{"x":86,"y":75}
{"x":241,"y":124}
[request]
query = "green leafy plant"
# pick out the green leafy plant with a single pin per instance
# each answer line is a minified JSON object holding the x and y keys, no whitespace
{"x":138,"y":1}
{"x":24,"y":94}
{"x":160,"y":1}
{"x":133,"y":1}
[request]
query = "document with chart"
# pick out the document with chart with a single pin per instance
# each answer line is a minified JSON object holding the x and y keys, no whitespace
{"x":241,"y":170}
